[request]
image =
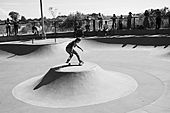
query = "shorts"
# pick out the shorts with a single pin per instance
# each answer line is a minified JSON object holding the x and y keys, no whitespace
{"x":71,"y":51}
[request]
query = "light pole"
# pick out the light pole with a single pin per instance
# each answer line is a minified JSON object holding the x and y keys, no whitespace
{"x":42,"y":18}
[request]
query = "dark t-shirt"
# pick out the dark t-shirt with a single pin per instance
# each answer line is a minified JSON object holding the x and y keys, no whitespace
{"x":71,"y":45}
{"x":7,"y":23}
{"x":16,"y":24}
{"x":113,"y":19}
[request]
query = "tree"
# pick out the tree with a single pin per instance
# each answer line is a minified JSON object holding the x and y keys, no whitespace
{"x":94,"y":15}
{"x":14,"y":15}
{"x":71,"y":19}
{"x":53,"y":11}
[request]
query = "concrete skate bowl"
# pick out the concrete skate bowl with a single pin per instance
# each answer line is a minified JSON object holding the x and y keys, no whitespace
{"x":137,"y":66}
{"x":157,"y":46}
{"x":27,"y":49}
{"x":86,"y":87}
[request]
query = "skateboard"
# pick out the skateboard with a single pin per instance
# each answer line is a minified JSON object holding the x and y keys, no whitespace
{"x":80,"y":63}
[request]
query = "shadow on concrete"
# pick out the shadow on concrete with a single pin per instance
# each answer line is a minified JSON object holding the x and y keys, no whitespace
{"x":52,"y":75}
{"x":20,"y":49}
{"x":142,"y":40}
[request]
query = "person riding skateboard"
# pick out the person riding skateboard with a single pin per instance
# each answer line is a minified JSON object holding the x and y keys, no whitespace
{"x":70,"y":50}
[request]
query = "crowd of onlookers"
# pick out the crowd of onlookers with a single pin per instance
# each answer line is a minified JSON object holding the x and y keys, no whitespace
{"x":158,"y":19}
{"x":8,"y":27}
{"x":117,"y":23}
{"x":12,"y":27}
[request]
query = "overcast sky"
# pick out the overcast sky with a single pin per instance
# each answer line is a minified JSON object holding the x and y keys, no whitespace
{"x":31,"y":8}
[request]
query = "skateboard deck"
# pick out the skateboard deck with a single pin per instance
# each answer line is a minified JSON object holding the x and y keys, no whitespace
{"x":75,"y":63}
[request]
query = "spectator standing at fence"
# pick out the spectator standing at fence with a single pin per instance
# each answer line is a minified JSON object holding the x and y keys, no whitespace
{"x":120,"y":22}
{"x":39,"y":28}
{"x":158,"y":19}
{"x":105,"y":28}
{"x":94,"y":24}
{"x":146,"y":19}
{"x":152,"y":19}
{"x":113,"y":21}
{"x":168,"y":15}
{"x":16,"y":26}
{"x":87,"y":26}
{"x":75,"y":28}
{"x":35,"y":29}
{"x":100,"y":18}
{"x":8,"y":27}
{"x":129,"y":18}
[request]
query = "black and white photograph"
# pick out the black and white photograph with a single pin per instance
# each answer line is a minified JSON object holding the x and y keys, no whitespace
{"x":84,"y":56}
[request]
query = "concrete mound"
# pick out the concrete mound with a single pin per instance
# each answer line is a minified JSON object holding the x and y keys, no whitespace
{"x":73,"y":86}
{"x":68,"y":71}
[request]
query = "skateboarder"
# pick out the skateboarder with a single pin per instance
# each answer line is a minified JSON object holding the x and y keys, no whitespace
{"x":70,"y":50}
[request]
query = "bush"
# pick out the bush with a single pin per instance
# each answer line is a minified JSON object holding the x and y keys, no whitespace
{"x":69,"y":22}
{"x":23,"y":30}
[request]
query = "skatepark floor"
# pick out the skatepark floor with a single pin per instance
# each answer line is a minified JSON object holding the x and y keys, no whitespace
{"x":148,"y":66}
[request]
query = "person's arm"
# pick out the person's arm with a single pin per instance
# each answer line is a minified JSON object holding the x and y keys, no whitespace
{"x":79,"y":47}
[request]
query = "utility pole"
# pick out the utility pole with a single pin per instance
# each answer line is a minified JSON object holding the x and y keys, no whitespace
{"x":42,"y":19}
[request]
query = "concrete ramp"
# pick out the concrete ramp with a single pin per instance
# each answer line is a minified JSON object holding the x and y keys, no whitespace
{"x":72,"y":86}
{"x":19,"y":49}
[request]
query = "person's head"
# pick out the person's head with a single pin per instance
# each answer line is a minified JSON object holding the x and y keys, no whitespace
{"x":38,"y":24}
{"x":77,"y":40}
{"x":130,"y":13}
{"x":7,"y":19}
{"x":105,"y":22}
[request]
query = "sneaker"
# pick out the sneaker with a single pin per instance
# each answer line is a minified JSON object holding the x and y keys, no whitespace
{"x":81,"y":62}
{"x":67,"y":61}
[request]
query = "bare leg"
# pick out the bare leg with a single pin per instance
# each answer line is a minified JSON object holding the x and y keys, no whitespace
{"x":68,"y":60}
{"x":78,"y":57}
